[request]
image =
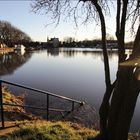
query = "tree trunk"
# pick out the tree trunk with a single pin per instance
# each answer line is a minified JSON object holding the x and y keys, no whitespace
{"x":125,"y":95}
{"x":115,"y":119}
{"x":123,"y":103}
{"x":120,"y":30}
{"x":104,"y":108}
{"x":136,"y":46}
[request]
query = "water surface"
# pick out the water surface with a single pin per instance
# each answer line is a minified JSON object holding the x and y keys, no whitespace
{"x":72,"y":72}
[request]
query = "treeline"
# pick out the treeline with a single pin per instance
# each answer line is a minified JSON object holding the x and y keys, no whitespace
{"x":11,"y":35}
{"x":95,"y":43}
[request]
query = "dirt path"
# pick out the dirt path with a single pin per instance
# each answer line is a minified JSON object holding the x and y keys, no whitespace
{"x":10,"y":126}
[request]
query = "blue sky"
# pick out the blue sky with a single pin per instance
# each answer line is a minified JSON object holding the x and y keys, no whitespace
{"x":19,"y":14}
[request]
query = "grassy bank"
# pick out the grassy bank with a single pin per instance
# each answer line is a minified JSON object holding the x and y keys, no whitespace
{"x":37,"y":129}
{"x":13,"y":113}
{"x":43,"y":130}
{"x":10,"y":98}
{"x":46,"y":130}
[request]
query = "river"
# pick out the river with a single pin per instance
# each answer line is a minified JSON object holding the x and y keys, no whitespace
{"x":73,"y":72}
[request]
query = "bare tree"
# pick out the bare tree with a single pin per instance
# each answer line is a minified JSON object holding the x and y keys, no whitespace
{"x":10,"y":35}
{"x":127,"y":87}
{"x":115,"y":117}
{"x":69,"y":39}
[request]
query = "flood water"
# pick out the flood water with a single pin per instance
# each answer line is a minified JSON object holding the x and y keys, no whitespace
{"x":73,"y":72}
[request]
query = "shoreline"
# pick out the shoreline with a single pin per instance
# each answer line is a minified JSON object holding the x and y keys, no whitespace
{"x":6,"y":50}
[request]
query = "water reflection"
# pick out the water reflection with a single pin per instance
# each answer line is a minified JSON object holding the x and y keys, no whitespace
{"x":72,"y":72}
{"x":53,"y":51}
{"x":72,"y":52}
{"x":9,"y":62}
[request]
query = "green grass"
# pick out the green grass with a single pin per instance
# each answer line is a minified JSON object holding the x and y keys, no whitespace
{"x":43,"y":130}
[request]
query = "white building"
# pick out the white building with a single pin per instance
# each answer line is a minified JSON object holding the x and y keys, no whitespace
{"x":54,"y":41}
{"x":20,"y":48}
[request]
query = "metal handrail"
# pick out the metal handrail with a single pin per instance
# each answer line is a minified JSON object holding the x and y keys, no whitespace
{"x":34,"y":107}
{"x":41,"y":91}
{"x":27,"y":106}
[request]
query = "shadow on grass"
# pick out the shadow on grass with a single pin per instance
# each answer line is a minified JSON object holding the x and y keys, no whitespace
{"x":98,"y":137}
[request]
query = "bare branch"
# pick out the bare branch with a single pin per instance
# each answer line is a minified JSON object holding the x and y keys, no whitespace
{"x":82,"y":11}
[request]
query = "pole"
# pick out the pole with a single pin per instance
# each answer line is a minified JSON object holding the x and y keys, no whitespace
{"x":1,"y":105}
{"x":47,"y":106}
{"x":72,"y":106}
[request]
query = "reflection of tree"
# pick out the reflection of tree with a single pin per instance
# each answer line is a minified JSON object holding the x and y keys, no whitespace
{"x":11,"y":61}
{"x":69,"y":52}
{"x":92,"y":52}
{"x":111,"y":54}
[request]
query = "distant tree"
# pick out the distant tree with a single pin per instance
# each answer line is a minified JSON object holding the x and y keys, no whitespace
{"x":69,"y":39}
{"x":119,"y":100}
{"x":10,"y":35}
{"x":109,"y":37}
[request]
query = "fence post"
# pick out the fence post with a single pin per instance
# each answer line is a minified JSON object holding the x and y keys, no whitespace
{"x":1,"y":105}
{"x":72,"y":106}
{"x":47,"y":106}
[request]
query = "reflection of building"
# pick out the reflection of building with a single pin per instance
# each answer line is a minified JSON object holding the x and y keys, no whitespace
{"x":53,"y":51}
{"x":54,"y":41}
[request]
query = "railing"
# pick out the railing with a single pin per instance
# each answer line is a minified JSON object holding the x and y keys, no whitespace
{"x":48,"y":94}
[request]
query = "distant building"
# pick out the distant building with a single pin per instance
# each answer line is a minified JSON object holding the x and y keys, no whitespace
{"x":20,"y":48}
{"x":54,"y":41}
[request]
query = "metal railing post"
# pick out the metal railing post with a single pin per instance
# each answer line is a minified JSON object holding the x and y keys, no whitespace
{"x":72,"y":106}
{"x":47,"y":106}
{"x":1,"y":105}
